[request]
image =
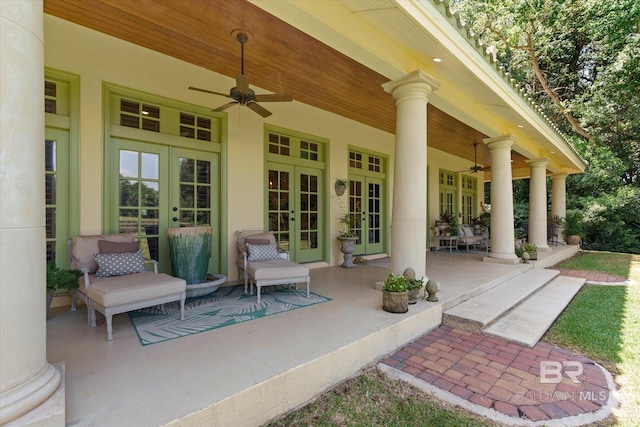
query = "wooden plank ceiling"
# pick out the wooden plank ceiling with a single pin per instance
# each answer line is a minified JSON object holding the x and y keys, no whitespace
{"x":278,"y":58}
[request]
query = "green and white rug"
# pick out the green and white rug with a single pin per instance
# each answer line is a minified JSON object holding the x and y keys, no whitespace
{"x":226,"y":306}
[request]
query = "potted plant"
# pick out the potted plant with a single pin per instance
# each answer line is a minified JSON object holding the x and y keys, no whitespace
{"x":531,"y":249}
{"x":573,"y":227}
{"x":60,"y":280}
{"x":348,"y":238}
{"x":395,"y":296}
{"x":340,"y":186}
{"x":413,"y":286}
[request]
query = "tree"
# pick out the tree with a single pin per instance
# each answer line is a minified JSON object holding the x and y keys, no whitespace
{"x":580,"y":60}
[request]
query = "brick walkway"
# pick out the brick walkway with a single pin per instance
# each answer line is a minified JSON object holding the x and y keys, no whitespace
{"x":494,"y":373}
{"x":592,"y":276}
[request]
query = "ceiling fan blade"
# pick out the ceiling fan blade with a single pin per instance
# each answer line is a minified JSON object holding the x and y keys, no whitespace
{"x":242,"y":83}
{"x":275,"y":97}
{"x":225,"y":106}
{"x":259,"y":109}
{"x":209,"y":91}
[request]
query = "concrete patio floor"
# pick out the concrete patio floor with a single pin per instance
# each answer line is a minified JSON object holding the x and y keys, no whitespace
{"x":249,"y":373}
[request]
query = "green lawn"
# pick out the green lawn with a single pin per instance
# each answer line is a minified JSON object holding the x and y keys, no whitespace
{"x":605,"y":262}
{"x":372,"y":399}
{"x":603,"y":323}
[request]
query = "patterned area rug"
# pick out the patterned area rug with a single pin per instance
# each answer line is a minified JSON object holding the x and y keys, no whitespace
{"x":227,"y":306}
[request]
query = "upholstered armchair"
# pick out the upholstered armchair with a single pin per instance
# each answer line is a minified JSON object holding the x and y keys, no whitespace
{"x":261,"y":262}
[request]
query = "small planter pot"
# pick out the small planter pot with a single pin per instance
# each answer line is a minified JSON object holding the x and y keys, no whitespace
{"x":395,"y":302}
{"x":414,"y":294}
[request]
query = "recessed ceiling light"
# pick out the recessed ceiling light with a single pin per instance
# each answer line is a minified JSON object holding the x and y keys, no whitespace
{"x":436,"y":59}
{"x":520,"y":126}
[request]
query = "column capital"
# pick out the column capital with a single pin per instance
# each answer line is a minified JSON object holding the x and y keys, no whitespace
{"x":415,"y":82}
{"x":500,"y":142}
{"x":538,"y":163}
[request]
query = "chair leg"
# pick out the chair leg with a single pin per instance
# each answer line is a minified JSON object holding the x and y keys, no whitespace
{"x":258,"y":290}
{"x":91,"y":312}
{"x":308,"y":280}
{"x":74,"y":296}
{"x":183,"y":296}
{"x":108,"y":316}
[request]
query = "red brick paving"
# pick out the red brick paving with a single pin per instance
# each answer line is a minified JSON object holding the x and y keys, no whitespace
{"x":592,"y":276}
{"x":493,"y":373}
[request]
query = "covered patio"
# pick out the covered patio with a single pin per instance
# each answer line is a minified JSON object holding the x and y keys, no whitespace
{"x":251,"y":372}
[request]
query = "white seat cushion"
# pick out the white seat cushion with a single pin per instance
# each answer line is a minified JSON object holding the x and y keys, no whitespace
{"x":118,"y":290}
{"x":276,"y":269}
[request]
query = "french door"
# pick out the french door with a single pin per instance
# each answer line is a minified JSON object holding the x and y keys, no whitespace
{"x":366,"y":204}
{"x":159,"y":186}
{"x":294,"y":211}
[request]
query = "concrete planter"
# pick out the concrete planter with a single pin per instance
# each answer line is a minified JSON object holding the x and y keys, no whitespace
{"x":190,"y":250}
{"x":347,"y":247}
{"x":395,"y":302}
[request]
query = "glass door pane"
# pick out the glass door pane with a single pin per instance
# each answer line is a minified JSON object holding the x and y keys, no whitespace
{"x":280,"y":207}
{"x":139,"y":198}
{"x":307,"y":218}
{"x":56,"y":178}
{"x":139,"y":205}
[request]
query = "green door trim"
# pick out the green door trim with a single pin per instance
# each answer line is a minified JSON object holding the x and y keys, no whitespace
{"x":72,"y":124}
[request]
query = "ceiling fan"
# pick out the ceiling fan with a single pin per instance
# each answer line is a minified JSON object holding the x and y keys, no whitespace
{"x":475,"y":168}
{"x":241,"y":93}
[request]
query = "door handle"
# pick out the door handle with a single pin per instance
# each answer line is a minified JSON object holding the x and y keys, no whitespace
{"x":175,"y":218}
{"x":175,"y":209}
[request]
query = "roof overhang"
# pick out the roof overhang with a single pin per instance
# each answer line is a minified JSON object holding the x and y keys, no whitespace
{"x":393,"y":38}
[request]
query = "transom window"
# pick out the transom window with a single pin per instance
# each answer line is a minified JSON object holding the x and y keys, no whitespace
{"x":196,"y":127}
{"x":279,"y":144}
{"x":364,"y":161}
{"x":309,"y":150}
{"x":355,"y":160}
{"x":139,"y":115}
{"x":50,"y":97}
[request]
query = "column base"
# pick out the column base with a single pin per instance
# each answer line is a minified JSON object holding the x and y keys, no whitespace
{"x":51,"y":412}
{"x":511,"y":261}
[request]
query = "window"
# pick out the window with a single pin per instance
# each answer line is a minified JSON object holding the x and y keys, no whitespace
{"x":279,"y":144}
{"x":448,"y":192}
{"x":137,"y":115}
{"x":364,"y":161}
{"x":195,"y":127}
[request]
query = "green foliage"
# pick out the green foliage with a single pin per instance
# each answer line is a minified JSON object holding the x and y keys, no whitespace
{"x":529,"y":247}
{"x":414,"y":283}
{"x":395,"y":283}
{"x":573,"y":223}
{"x":350,"y":222}
{"x":61,"y":279}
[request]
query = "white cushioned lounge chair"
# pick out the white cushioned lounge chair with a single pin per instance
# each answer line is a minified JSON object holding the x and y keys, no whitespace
{"x":118,"y":290}
{"x":261,"y":263}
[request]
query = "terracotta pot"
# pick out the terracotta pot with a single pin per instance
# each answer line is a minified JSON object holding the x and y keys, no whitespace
{"x":395,"y":302}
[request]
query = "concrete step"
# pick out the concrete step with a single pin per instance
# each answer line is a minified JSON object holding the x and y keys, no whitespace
{"x":527,"y":322}
{"x":478,"y":312}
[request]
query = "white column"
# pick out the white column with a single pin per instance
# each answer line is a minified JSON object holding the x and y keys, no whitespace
{"x":409,"y":217}
{"x":538,"y":204}
{"x":26,"y":378}
{"x":502,"y":229}
{"x":559,"y":199}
